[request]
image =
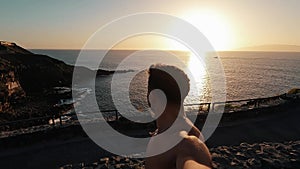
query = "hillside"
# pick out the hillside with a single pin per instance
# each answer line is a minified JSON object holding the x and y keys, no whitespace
{"x":28,"y":81}
{"x":276,"y":47}
{"x":37,"y":72}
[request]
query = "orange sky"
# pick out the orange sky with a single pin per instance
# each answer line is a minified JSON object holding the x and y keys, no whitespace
{"x":227,"y":24}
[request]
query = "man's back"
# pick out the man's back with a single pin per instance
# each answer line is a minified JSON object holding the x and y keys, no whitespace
{"x":190,"y":152}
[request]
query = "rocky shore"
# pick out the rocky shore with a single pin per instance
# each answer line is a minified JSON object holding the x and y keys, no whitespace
{"x":269,"y":155}
{"x":28,"y":82}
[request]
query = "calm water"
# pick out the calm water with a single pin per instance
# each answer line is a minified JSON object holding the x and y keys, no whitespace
{"x":248,"y":74}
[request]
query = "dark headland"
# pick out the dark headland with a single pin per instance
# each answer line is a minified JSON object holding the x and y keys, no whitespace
{"x":28,"y":82}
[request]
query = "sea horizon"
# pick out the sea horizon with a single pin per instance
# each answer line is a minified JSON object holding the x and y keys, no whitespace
{"x":246,"y":79}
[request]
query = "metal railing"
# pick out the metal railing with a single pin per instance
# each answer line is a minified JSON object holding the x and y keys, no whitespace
{"x":114,"y":115}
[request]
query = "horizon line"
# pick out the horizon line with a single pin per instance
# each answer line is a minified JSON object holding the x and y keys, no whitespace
{"x":176,"y":50}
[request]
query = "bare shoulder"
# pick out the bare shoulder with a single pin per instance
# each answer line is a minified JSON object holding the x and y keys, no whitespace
{"x":190,"y":140}
{"x":192,"y":148}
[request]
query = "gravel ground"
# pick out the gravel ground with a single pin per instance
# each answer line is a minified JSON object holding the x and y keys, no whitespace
{"x":259,"y":155}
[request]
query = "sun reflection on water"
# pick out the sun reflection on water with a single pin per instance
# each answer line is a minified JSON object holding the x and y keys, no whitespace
{"x":196,"y":71}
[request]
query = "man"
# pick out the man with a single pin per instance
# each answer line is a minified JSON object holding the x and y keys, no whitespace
{"x":167,"y":88}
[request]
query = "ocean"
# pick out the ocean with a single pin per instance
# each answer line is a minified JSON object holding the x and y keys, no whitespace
{"x":248,"y":74}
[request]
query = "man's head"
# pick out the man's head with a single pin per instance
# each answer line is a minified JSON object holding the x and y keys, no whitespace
{"x":171,"y":80}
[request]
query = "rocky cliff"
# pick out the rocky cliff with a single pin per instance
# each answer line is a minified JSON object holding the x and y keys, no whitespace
{"x":25,"y":80}
{"x":10,"y":88}
{"x":36,"y":73}
{"x":24,"y":73}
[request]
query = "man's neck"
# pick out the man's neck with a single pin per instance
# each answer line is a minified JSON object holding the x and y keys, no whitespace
{"x":168,"y":117}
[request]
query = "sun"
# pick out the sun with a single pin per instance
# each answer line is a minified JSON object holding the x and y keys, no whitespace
{"x":213,"y":26}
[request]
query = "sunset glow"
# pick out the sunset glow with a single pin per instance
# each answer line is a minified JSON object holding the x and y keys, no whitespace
{"x":214,"y":27}
{"x":228,"y":25}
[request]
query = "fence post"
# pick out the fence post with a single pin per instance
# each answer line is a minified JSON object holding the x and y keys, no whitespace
{"x":208,"y":107}
{"x":53,"y":121}
{"x":117,"y":118}
{"x":60,"y":121}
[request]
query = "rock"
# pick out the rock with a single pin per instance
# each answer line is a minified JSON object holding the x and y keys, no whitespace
{"x":118,"y":166}
{"x":240,"y":156}
{"x":215,"y":165}
{"x":89,"y":167}
{"x":221,"y":160}
{"x":253,"y":163}
{"x":102,"y":166}
{"x":95,"y":164}
{"x":117,"y":158}
{"x":126,"y":166}
{"x":104,"y":160}
{"x":266,"y":162}
{"x":111,"y":167}
{"x":78,"y":166}
{"x":68,"y":166}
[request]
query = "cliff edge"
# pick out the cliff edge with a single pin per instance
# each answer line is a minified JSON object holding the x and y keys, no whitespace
{"x":25,"y":81}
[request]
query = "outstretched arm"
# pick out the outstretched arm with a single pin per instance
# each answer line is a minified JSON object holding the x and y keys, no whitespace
{"x":190,"y":164}
{"x":193,"y":154}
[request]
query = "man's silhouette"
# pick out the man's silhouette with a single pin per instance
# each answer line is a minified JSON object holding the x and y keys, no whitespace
{"x":167,"y":88}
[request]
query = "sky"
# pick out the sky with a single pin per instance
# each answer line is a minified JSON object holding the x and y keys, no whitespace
{"x":228,"y":25}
